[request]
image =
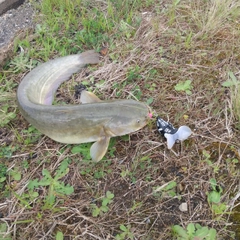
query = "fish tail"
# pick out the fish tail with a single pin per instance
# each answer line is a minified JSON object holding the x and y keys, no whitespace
{"x":89,"y":57}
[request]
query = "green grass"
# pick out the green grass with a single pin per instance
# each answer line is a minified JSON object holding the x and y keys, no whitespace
{"x":181,"y":58}
{"x":194,"y":231}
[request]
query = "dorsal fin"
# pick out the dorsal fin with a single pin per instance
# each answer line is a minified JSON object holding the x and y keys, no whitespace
{"x":88,"y":97}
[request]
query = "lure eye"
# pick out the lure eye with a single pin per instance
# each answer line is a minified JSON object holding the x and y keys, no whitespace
{"x":138,"y":121}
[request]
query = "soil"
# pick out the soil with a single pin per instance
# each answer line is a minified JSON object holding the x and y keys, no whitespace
{"x":15,"y":23}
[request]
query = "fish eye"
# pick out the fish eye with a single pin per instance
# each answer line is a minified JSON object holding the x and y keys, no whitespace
{"x":138,"y":121}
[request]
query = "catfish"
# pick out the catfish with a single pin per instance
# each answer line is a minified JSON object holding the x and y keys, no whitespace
{"x":94,"y":120}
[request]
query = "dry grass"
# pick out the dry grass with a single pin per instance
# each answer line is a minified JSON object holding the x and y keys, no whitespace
{"x":197,"y":44}
{"x":212,"y":17}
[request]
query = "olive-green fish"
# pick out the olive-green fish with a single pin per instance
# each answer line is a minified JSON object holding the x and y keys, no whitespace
{"x":92,"y":121}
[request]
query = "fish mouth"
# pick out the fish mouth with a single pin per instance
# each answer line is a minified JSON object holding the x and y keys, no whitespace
{"x":150,"y":112}
{"x":150,"y":115}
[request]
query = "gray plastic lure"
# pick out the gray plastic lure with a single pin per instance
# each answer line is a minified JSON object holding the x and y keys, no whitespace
{"x":172,"y":134}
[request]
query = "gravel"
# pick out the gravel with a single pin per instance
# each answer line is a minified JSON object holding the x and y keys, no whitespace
{"x":13,"y":23}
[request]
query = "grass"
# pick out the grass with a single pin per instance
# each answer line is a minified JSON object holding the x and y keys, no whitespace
{"x":193,"y":232}
{"x":182,"y":58}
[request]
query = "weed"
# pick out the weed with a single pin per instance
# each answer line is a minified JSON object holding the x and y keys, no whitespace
{"x":126,"y":29}
{"x":25,"y":164}
{"x":83,"y":149}
{"x":125,"y":234}
{"x":215,"y":195}
{"x":136,"y":205}
{"x":6,"y":116}
{"x":96,"y":211}
{"x":231,"y":81}
{"x":166,"y":190}
{"x":133,"y":74}
{"x":8,"y":108}
{"x":214,"y":198}
{"x":85,"y":171}
{"x":31,"y":135}
{"x":137,"y":92}
{"x":15,"y":173}
{"x":59,"y":236}
{"x":3,"y":173}
{"x":124,"y":10}
{"x":188,"y":40}
{"x":149,"y":101}
{"x":3,"y":232}
{"x":234,"y":85}
{"x":125,"y":173}
{"x":232,"y":166}
{"x":22,"y":63}
{"x":26,"y":199}
{"x":142,"y":164}
{"x":213,"y":16}
{"x":172,"y":11}
{"x":184,"y":86}
{"x":151,"y":86}
{"x":65,"y":19}
{"x":7,"y":151}
{"x":55,"y":187}
{"x":207,"y":159}
{"x":194,"y":231}
{"x":145,"y":162}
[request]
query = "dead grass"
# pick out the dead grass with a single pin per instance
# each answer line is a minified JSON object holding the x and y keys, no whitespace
{"x":159,"y":55}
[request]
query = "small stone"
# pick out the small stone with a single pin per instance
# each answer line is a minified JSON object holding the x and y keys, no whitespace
{"x":183,"y":207}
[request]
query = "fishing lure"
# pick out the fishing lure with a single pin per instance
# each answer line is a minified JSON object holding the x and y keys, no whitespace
{"x":171,"y":133}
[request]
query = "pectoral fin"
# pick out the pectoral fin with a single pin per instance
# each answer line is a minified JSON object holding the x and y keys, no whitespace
{"x":88,"y":97}
{"x":99,"y":148}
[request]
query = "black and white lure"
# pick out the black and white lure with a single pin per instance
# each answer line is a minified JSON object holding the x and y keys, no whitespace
{"x":172,"y":134}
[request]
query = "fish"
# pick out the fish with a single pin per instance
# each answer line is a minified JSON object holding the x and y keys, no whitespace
{"x":94,"y":120}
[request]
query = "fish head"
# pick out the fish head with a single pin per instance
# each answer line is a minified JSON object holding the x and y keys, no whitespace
{"x":130,"y":116}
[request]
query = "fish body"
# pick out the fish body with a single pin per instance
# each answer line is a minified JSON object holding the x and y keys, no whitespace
{"x":92,"y":121}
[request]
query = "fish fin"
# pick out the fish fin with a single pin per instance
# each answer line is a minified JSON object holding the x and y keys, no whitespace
{"x":89,"y":57}
{"x":88,"y":97}
{"x":99,"y":149}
